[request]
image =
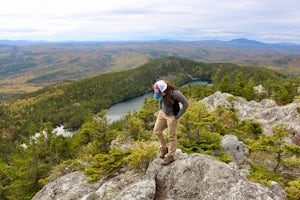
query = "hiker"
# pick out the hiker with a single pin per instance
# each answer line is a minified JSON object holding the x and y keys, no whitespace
{"x":169,"y":97}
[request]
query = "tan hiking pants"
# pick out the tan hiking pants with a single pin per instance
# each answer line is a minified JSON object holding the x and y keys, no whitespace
{"x":164,"y":121}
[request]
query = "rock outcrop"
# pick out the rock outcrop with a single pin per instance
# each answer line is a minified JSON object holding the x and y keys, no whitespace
{"x":194,"y":177}
{"x":265,"y":112}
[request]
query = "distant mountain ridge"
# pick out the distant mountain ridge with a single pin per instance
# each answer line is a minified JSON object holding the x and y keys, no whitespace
{"x":246,"y":41}
{"x":22,"y":42}
{"x":233,"y":41}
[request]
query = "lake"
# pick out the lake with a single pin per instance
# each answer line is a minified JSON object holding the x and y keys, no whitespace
{"x":118,"y":111}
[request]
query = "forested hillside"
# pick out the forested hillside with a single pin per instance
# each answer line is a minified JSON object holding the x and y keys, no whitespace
{"x":27,"y":163}
{"x":69,"y":103}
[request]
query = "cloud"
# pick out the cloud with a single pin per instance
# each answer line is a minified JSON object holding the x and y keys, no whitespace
{"x":265,"y":20}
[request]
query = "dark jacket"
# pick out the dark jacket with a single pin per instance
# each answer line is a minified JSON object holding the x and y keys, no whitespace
{"x":168,"y":108}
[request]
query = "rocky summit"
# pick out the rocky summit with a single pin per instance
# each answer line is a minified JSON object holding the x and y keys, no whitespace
{"x":194,"y":176}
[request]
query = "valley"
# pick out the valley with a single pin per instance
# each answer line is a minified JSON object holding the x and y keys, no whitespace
{"x":27,"y":67}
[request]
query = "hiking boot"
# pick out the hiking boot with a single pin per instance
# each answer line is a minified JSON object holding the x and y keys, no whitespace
{"x":167,"y":160}
{"x":163,"y":152}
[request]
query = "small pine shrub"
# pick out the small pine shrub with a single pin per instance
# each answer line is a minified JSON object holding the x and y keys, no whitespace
{"x":293,"y":189}
{"x":140,"y":156}
{"x":105,"y":164}
{"x":260,"y":174}
{"x":224,"y":157}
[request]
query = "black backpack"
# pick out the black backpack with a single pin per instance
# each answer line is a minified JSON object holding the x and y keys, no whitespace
{"x":176,"y":107}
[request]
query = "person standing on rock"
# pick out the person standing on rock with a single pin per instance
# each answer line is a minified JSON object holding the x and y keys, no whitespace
{"x":169,"y":97}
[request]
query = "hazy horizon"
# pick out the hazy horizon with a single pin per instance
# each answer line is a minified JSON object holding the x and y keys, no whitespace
{"x":266,"y":21}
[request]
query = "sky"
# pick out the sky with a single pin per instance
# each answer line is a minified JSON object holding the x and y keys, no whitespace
{"x":268,"y":21}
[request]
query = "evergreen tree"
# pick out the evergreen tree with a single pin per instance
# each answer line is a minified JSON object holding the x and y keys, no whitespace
{"x":199,"y":130}
{"x":226,"y":84}
{"x":4,"y":180}
{"x":249,"y":92}
{"x":272,"y":144}
{"x":26,"y":171}
{"x":239,"y":85}
{"x":97,"y":131}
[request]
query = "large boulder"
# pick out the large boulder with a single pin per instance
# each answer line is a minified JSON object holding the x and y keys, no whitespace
{"x":199,"y":176}
{"x":234,"y":147}
{"x":73,"y":185}
{"x":127,"y":185}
